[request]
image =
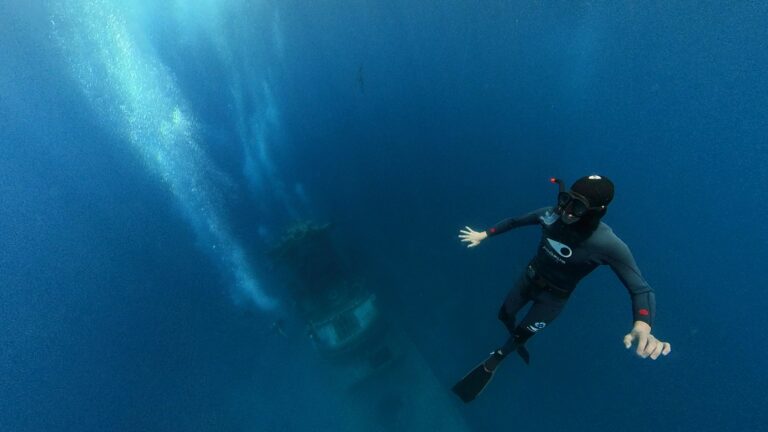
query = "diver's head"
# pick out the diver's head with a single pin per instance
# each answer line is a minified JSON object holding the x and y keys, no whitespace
{"x":586,"y":202}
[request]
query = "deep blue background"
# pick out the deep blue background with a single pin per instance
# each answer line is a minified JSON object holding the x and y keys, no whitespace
{"x":112,"y":318}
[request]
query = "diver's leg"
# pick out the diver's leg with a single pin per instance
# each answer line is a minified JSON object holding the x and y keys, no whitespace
{"x":475,"y":381}
{"x":517,"y":297}
{"x":546,"y":307}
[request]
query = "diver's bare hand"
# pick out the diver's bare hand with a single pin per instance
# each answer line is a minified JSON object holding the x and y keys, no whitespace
{"x":468,"y":235}
{"x":647,"y":344}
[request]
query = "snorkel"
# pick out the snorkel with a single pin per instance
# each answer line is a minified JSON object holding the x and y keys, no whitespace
{"x":560,"y":189}
{"x":560,"y":184}
{"x":551,"y":217}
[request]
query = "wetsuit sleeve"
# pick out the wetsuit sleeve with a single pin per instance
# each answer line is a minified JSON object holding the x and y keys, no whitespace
{"x":621,"y":261}
{"x":505,"y":225}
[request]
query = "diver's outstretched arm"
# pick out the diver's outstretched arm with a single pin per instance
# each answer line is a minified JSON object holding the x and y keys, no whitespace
{"x":468,"y":235}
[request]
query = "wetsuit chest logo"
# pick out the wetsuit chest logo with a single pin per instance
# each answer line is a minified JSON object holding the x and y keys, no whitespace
{"x":563,"y":250}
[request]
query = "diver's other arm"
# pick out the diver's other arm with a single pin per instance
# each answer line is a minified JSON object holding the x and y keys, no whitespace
{"x":468,"y":235}
{"x":647,"y":344}
{"x":620,"y":259}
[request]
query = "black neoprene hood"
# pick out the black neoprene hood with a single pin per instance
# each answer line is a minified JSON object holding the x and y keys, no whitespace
{"x":595,"y":188}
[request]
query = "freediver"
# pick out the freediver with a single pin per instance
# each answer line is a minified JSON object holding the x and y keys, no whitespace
{"x":574,"y":242}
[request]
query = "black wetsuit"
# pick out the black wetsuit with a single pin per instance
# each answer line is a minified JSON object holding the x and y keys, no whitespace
{"x":563,"y":258}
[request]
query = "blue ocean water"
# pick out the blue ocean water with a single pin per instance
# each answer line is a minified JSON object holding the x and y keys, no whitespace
{"x":151,"y":153}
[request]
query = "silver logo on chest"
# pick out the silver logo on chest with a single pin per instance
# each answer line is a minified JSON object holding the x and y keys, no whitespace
{"x":563,"y":250}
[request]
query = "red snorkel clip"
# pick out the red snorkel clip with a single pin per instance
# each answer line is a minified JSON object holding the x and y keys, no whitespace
{"x":559,"y":182}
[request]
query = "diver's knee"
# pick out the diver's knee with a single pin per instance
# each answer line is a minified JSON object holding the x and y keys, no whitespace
{"x":523,"y":333}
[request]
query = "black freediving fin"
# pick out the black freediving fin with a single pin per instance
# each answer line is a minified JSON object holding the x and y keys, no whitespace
{"x":473,"y":383}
